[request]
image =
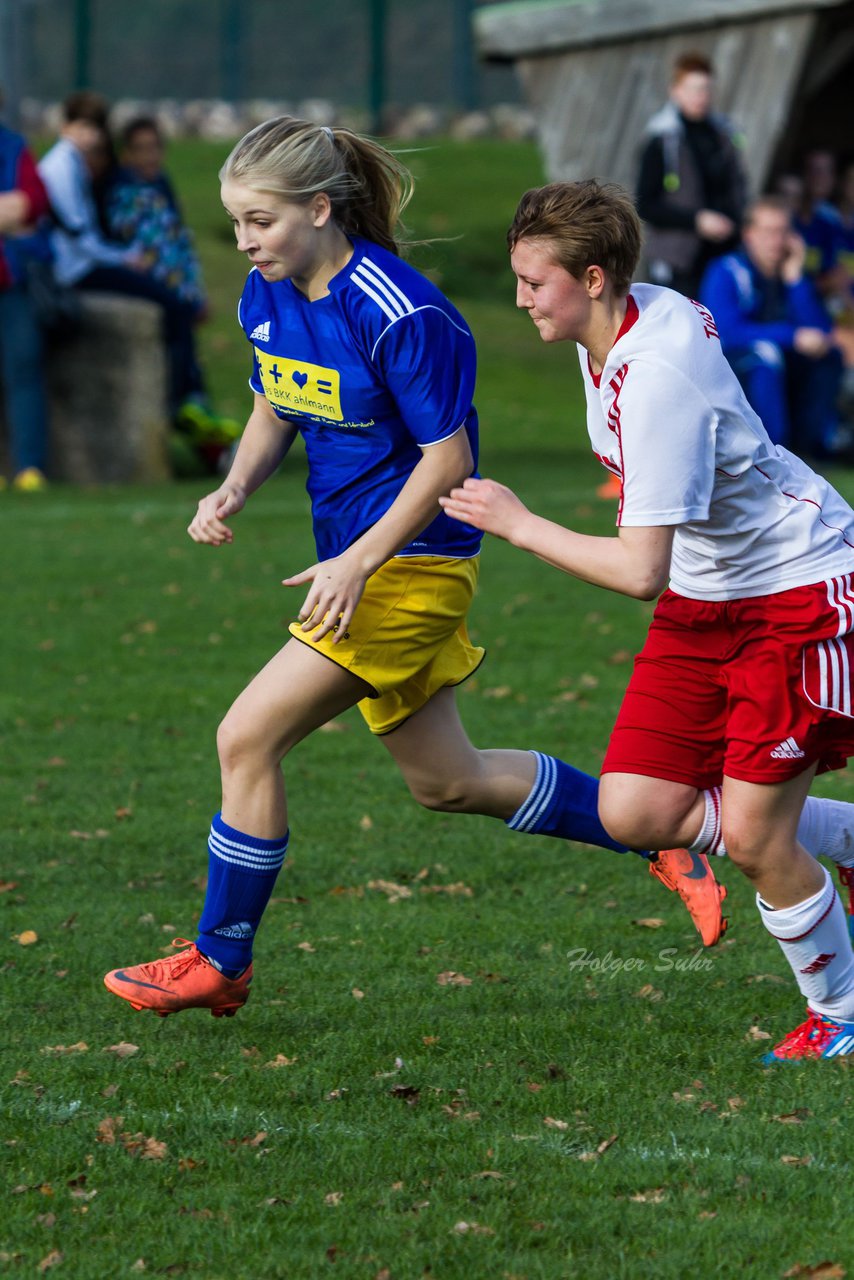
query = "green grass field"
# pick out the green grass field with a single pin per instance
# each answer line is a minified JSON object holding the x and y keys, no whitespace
{"x":581,"y":1099}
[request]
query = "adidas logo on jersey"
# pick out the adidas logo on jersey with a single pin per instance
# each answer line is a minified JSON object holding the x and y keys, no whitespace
{"x":788,"y":750}
{"x":261,"y":332}
{"x":820,"y":963}
{"x":242,"y":930}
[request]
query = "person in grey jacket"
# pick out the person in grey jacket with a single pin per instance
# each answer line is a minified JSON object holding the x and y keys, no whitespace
{"x":691,"y":188}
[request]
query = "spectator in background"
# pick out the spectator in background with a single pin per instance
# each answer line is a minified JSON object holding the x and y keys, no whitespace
{"x":142,"y":210}
{"x":816,"y":221}
{"x":776,"y":333}
{"x":844,"y":205}
{"x":691,"y":188}
{"x":87,"y":259}
{"x":23,"y":202}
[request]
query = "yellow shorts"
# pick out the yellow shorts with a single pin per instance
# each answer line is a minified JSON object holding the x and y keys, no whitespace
{"x":408,"y":637}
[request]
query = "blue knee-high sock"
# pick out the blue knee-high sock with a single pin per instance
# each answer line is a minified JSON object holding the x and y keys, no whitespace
{"x":241,"y":873}
{"x":563,"y":802}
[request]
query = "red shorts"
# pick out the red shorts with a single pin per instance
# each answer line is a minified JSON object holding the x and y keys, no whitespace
{"x":757,"y":689}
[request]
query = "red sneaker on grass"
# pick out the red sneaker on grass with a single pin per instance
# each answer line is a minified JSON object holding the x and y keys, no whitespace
{"x":183,"y":981}
{"x":818,"y":1037}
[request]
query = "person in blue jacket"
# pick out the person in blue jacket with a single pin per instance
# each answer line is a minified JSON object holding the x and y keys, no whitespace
{"x":775,"y":331}
{"x":364,"y":358}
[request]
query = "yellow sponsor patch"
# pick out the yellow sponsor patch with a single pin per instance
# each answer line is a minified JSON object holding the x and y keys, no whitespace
{"x":296,"y":386}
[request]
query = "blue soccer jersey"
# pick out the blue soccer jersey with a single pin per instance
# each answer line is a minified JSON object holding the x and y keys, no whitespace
{"x":379,"y":368}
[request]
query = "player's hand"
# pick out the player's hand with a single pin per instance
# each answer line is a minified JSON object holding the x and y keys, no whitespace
{"x":792,"y":268}
{"x":208,"y":524}
{"x":336,"y":588}
{"x":812,"y":342}
{"x":714,"y":226}
{"x":487,"y":505}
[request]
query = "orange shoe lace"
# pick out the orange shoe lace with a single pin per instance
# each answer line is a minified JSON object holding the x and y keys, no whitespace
{"x":170,"y":967}
{"x":809,"y":1039}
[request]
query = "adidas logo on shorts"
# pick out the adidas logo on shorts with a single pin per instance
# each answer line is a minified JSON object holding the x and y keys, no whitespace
{"x":261,"y":332}
{"x":788,"y":750}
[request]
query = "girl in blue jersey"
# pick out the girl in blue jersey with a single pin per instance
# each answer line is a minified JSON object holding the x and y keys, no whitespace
{"x":372,"y":365}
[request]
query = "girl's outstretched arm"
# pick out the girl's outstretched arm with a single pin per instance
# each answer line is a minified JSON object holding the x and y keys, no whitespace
{"x":636,"y":562}
{"x":265,"y":441}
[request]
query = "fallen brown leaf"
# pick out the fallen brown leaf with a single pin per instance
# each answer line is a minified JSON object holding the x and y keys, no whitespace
{"x":450,"y":978}
{"x":122,"y":1050}
{"x":52,"y":1259}
{"x":551,"y":1123}
{"x":472,"y":1228}
{"x":80,"y":1047}
{"x":394,"y":892}
{"x":453,"y":890}
{"x":26,"y":939}
{"x":796,"y":1162}
{"x":600,"y":1150}
{"x":106,"y":1132}
{"x":137,"y":1144}
{"x":649,"y":992}
{"x":793,"y":1117}
{"x":818,"y":1271}
{"x":649,"y":922}
{"x":333,"y":1198}
{"x":654,"y":1196}
{"x":280,"y":1061}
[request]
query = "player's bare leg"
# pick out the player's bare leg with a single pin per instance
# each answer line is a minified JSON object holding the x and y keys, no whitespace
{"x":294,"y":694}
{"x":533,"y":793}
{"x":799,"y":907}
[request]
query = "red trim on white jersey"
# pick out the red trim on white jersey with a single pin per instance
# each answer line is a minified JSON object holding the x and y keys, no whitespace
{"x":749,"y":518}
{"x":629,"y":319}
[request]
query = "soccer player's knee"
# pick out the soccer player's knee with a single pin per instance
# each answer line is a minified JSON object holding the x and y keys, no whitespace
{"x":620,"y":819}
{"x":444,"y":795}
{"x":234,"y":741}
{"x":741,"y":843}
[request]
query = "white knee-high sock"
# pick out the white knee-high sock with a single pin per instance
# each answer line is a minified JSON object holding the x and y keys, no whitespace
{"x":826,"y":830}
{"x":813,"y":936}
{"x":709,"y":839}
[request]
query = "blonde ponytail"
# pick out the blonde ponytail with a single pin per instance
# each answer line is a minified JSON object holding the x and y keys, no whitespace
{"x":368,"y":186}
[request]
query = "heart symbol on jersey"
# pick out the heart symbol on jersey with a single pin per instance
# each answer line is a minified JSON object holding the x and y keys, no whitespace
{"x":300,"y":379}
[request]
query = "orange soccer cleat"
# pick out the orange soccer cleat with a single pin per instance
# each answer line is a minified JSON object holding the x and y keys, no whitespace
{"x":691,"y":876}
{"x":183,"y":981}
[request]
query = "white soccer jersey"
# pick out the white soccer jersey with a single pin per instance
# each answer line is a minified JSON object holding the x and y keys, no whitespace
{"x":669,"y":417}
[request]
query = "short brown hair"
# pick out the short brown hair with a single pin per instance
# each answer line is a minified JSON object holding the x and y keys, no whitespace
{"x":770,"y":201}
{"x":587,"y":223}
{"x":86,"y":104}
{"x":689,"y":64}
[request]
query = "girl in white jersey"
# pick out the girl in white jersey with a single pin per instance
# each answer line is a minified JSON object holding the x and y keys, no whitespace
{"x":364,"y":357}
{"x":743,"y":690}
